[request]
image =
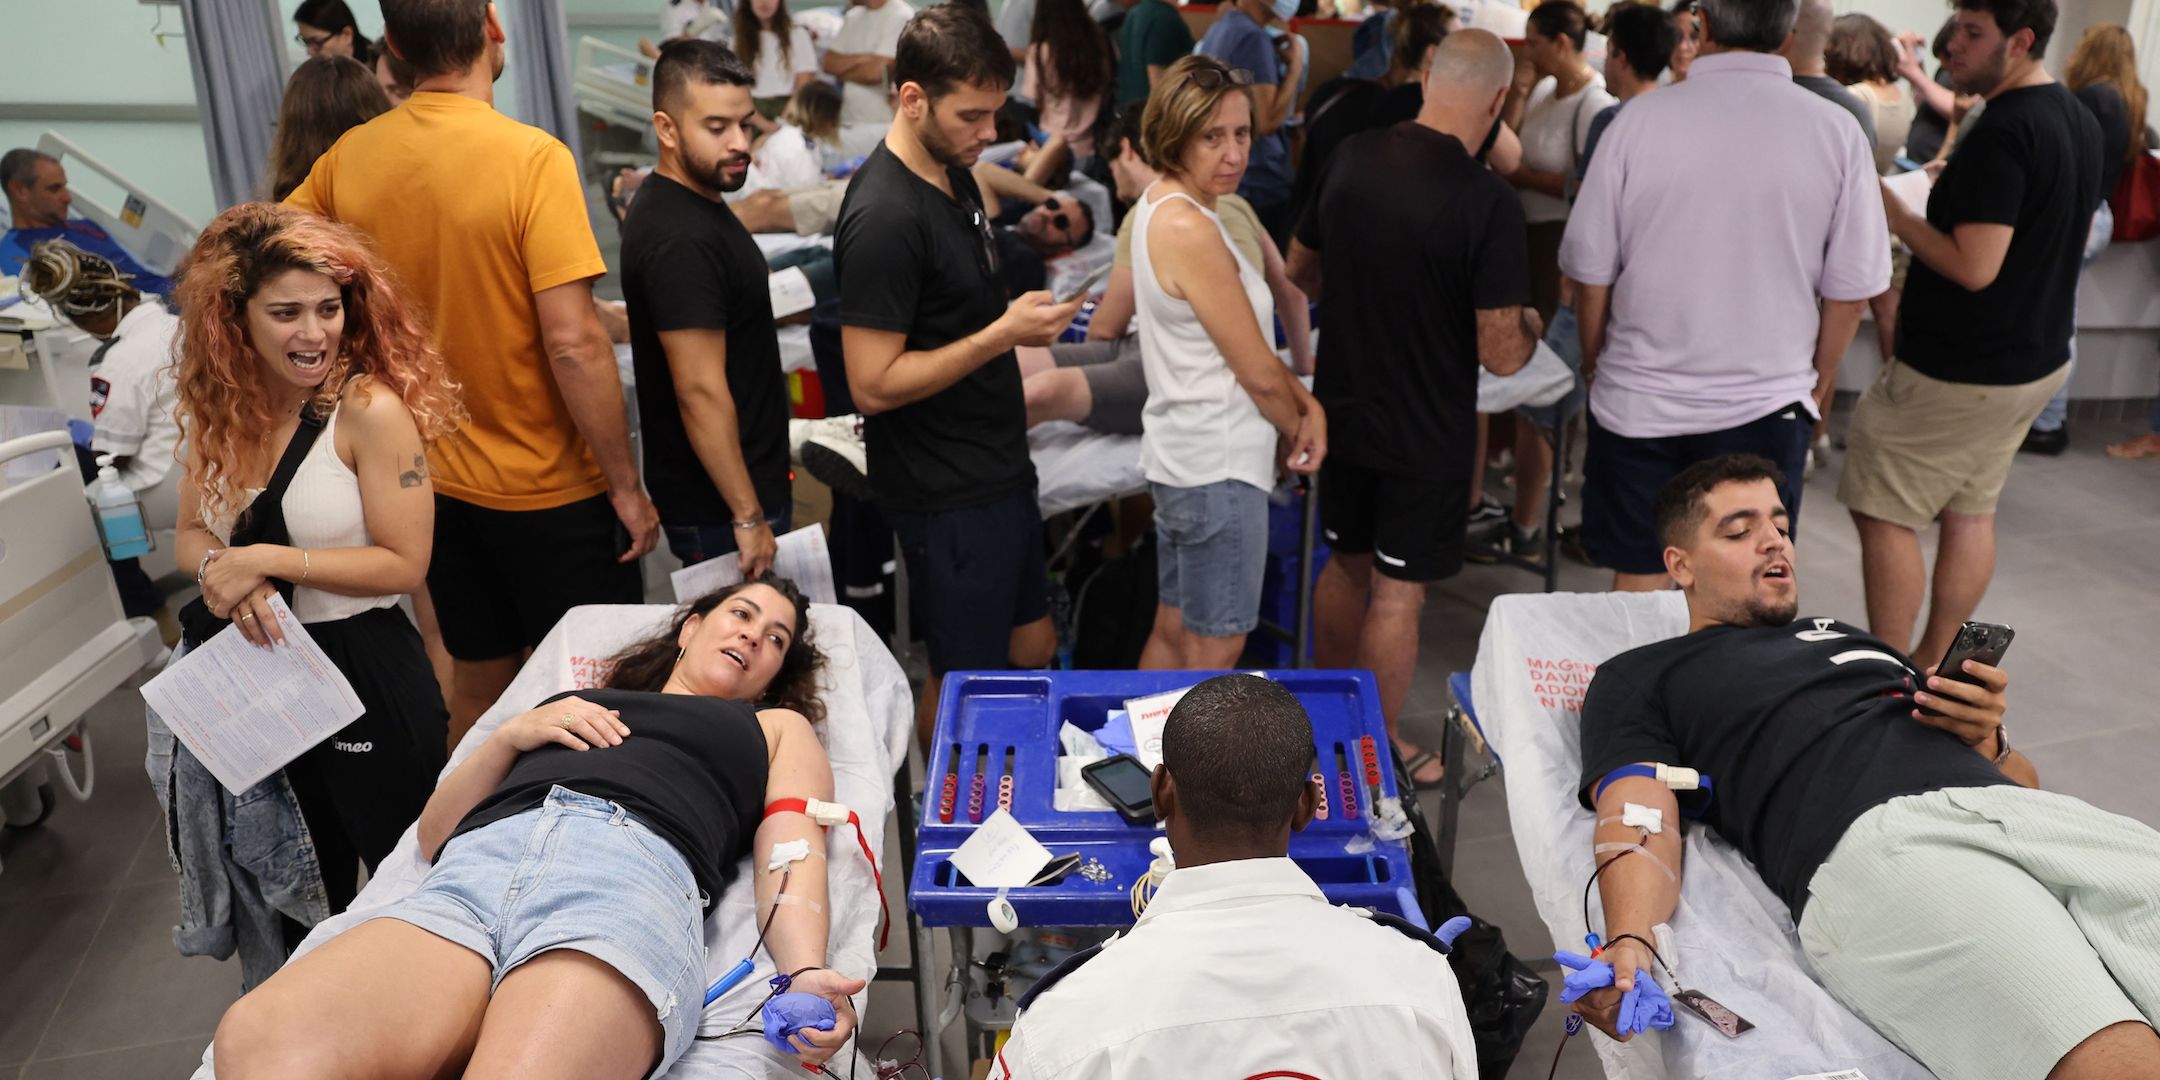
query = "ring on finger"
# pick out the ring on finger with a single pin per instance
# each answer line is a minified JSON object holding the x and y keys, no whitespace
{"x":246,"y":615}
{"x":567,"y":720}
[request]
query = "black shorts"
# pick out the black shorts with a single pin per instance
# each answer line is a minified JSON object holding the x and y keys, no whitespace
{"x":1411,"y":525}
{"x":501,"y":579}
{"x":1622,"y":478}
{"x":973,"y":575}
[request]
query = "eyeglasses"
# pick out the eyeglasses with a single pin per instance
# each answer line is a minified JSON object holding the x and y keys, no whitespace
{"x":313,"y":43}
{"x":1214,"y":78}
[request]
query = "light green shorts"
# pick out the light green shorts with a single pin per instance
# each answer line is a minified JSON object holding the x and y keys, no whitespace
{"x":1988,"y":931}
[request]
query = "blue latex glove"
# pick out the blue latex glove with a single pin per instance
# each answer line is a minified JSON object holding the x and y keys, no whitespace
{"x":790,"y":1013}
{"x":1452,"y":929}
{"x":1583,"y":976}
{"x":1116,"y":734}
{"x":1645,"y":1007}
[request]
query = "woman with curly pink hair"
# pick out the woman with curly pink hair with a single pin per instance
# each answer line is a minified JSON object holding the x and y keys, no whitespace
{"x":309,"y":391}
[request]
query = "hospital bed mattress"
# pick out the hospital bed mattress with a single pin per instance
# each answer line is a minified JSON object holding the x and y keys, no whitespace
{"x":1077,"y":466}
{"x":869,"y":715}
{"x":1734,"y":939}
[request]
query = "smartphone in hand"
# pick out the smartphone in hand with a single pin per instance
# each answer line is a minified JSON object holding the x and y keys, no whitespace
{"x":1985,"y":642}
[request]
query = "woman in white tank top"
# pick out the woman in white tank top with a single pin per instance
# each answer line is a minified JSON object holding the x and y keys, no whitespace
{"x":300,"y":369}
{"x":1218,"y":396}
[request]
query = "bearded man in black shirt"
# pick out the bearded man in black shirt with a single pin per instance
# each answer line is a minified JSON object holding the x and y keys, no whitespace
{"x":1988,"y":928}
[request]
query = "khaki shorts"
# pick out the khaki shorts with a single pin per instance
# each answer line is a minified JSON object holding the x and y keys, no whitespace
{"x":1989,"y":931}
{"x":817,"y":209}
{"x":1920,"y":446}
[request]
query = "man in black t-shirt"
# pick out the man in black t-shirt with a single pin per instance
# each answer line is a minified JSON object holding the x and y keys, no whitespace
{"x":1344,"y":106}
{"x":1419,"y":298}
{"x":928,"y":337}
{"x":1983,"y":329}
{"x":709,"y":384}
{"x":1932,"y":894}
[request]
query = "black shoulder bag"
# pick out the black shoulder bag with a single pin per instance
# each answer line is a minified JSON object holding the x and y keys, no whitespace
{"x":263,"y":522}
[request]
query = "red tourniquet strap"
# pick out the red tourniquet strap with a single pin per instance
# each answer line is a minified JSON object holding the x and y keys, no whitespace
{"x":802,"y":806}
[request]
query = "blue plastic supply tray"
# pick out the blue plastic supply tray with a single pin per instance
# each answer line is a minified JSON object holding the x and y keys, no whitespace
{"x":989,"y":717}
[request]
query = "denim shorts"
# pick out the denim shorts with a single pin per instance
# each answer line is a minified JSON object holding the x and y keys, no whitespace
{"x":574,"y":873}
{"x":1564,"y":337}
{"x":1212,"y":554}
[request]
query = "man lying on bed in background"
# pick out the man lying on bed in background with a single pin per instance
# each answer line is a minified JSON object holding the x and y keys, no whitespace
{"x":38,"y":199}
{"x":1990,"y":929}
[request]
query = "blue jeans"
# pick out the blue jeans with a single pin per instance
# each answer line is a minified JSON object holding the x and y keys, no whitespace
{"x":2058,"y":407}
{"x":694,"y":544}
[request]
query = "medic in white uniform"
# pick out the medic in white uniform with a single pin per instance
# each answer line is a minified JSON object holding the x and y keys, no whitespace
{"x":1239,"y":967}
{"x":132,"y":398}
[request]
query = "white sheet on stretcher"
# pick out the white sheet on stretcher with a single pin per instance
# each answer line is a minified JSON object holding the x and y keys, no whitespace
{"x":1077,"y":466}
{"x":868,"y":717}
{"x":1735,"y":938}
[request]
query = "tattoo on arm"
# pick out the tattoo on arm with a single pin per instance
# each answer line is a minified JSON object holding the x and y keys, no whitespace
{"x":413,"y":477}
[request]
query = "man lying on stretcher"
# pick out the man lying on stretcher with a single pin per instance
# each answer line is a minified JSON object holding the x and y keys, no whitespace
{"x":1989,"y":929}
{"x":577,"y":853}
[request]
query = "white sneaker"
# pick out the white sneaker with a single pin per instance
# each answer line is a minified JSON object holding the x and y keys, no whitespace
{"x":800,"y":431}
{"x":832,"y":449}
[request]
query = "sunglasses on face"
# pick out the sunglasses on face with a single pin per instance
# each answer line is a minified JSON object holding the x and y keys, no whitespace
{"x":1214,"y":78}
{"x":1057,"y":218}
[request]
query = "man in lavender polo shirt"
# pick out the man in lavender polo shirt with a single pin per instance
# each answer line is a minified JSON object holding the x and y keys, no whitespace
{"x":1726,"y":241}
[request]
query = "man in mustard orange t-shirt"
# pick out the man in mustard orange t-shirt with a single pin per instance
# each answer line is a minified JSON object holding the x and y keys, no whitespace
{"x":538,"y":506}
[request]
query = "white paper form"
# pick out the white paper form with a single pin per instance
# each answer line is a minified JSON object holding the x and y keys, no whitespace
{"x":802,"y":558}
{"x":245,"y":711}
{"x":1911,"y":188}
{"x":790,"y":289}
{"x":1001,"y":854}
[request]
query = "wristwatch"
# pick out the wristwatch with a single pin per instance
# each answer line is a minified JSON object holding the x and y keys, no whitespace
{"x":2002,"y":743}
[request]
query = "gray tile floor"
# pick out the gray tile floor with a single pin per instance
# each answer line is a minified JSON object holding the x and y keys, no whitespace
{"x":94,"y":990}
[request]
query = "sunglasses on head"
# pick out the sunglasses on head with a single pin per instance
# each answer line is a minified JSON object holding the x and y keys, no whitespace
{"x":1214,"y":78}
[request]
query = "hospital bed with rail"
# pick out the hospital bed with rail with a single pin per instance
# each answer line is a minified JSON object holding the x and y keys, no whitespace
{"x":64,"y":642}
{"x":869,"y":720}
{"x":1520,"y":706}
{"x":44,"y":359}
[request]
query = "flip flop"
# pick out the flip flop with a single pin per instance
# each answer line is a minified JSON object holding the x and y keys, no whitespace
{"x":2144,"y":446}
{"x":1418,"y":761}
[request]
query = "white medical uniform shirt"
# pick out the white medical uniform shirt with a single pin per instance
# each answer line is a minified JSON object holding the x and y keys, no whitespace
{"x":1244,"y":969}
{"x":132,"y":394}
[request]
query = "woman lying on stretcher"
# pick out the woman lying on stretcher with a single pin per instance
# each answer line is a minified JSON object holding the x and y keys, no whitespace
{"x":576,"y":855}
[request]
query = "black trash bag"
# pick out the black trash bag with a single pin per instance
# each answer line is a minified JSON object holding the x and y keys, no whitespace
{"x":1503,"y":995}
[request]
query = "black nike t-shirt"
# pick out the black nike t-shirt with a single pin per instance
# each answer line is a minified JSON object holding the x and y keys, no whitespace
{"x":1801,"y":729}
{"x":692,"y":770}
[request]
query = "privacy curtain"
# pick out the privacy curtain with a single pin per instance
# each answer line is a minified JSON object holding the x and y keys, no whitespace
{"x":234,"y":51}
{"x":539,"y":56}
